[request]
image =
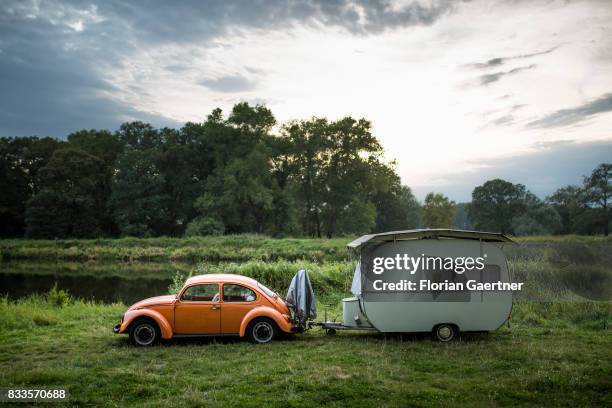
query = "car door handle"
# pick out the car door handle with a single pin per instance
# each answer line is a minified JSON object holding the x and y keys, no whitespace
{"x":215,"y":307}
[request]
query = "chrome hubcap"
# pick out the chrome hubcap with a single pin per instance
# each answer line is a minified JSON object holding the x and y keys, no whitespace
{"x":144,"y":334}
{"x":263,"y":332}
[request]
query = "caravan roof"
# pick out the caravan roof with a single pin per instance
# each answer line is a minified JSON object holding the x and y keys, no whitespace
{"x":428,"y":233}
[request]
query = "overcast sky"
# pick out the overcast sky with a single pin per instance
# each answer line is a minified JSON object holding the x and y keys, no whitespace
{"x":458,"y":92}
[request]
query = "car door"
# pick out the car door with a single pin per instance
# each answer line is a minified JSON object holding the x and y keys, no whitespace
{"x":198,"y":310}
{"x":238,"y":300}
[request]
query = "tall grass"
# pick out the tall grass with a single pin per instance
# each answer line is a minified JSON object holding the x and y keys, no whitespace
{"x":327,"y":279}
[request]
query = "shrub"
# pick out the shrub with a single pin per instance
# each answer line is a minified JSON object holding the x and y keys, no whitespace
{"x":202,"y":226}
{"x":58,"y":297}
{"x":178,"y":280}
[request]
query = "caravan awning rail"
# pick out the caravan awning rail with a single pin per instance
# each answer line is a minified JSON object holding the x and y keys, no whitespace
{"x":427,"y":234}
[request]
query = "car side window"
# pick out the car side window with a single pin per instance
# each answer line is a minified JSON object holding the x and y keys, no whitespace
{"x":201,"y":293}
{"x":238,"y":293}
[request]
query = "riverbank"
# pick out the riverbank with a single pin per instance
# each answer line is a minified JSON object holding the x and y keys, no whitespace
{"x":228,"y":248}
{"x":235,"y":248}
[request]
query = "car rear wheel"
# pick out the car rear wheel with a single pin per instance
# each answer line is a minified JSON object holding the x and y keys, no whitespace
{"x":262,"y":330}
{"x":144,"y":333}
{"x":445,"y":332}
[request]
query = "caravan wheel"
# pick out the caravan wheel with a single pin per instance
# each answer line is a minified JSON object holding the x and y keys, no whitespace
{"x":445,"y":332}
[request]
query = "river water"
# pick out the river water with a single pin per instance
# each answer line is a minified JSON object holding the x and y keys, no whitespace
{"x":103,"y":282}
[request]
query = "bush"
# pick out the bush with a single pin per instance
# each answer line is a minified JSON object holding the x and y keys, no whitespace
{"x":202,"y":226}
{"x":58,"y":297}
{"x":178,"y":280}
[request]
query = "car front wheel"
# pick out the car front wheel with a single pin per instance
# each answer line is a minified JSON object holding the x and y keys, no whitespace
{"x":144,"y":333}
{"x":262,"y":330}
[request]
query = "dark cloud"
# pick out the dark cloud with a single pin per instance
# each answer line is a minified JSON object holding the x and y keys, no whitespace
{"x":566,"y":117}
{"x":53,"y":54}
{"x":487,"y":79}
{"x":495,"y":62}
{"x":232,"y":83}
{"x":551,"y":166}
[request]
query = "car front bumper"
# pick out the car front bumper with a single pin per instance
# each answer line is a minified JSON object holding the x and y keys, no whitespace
{"x":117,"y":328}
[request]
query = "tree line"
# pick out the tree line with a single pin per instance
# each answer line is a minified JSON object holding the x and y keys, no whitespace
{"x":233,"y":174}
{"x":222,"y":176}
{"x":501,"y":206}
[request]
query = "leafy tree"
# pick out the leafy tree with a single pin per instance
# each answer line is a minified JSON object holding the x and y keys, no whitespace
{"x":241,"y":195}
{"x":598,"y":191}
{"x":462,"y":221}
{"x":494,"y":205}
{"x":414,"y":210}
{"x":570,"y":204}
{"x":78,"y":181}
{"x":20,"y":161}
{"x":358,"y":218}
{"x":158,"y":178}
{"x":354,"y":161}
{"x":49,"y":215}
{"x":106,"y":146}
{"x":285,"y":208}
{"x":257,"y":119}
{"x":330,"y":165}
{"x":539,"y":218}
{"x":307,"y":160}
{"x":139,"y":135}
{"x":100,"y":143}
{"x":15,"y":189}
{"x":438,"y":211}
{"x":240,"y":191}
{"x":139,"y":201}
{"x":392,"y":201}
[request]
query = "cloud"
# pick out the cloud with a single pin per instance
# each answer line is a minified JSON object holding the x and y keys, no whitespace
{"x":498,"y":61}
{"x":55,"y":54}
{"x":566,"y":117}
{"x":487,"y":79}
{"x":504,"y":120}
{"x":550,"y":166}
{"x":230,"y":84}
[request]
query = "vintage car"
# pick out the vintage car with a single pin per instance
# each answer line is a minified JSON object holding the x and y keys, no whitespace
{"x":209,"y":305}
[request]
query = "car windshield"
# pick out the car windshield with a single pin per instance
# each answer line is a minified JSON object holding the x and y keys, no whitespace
{"x":266,"y":290}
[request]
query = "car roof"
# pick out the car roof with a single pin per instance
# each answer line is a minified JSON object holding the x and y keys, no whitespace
{"x":220,"y":277}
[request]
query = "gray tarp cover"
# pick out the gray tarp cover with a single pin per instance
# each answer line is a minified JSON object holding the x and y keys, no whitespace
{"x":301,"y":298}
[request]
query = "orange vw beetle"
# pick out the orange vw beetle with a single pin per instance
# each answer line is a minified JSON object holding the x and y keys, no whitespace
{"x":209,"y":305}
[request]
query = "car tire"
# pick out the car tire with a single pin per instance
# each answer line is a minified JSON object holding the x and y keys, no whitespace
{"x":445,"y":332}
{"x":262,"y":330}
{"x":144,"y":333}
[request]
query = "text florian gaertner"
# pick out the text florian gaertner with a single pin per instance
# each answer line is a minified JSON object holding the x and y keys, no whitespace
{"x":459,"y":265}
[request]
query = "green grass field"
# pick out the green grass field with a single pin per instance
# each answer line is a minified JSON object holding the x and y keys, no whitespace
{"x":553,"y":354}
{"x":556,"y":352}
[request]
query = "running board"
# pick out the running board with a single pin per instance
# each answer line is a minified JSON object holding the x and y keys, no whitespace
{"x":183,"y":336}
